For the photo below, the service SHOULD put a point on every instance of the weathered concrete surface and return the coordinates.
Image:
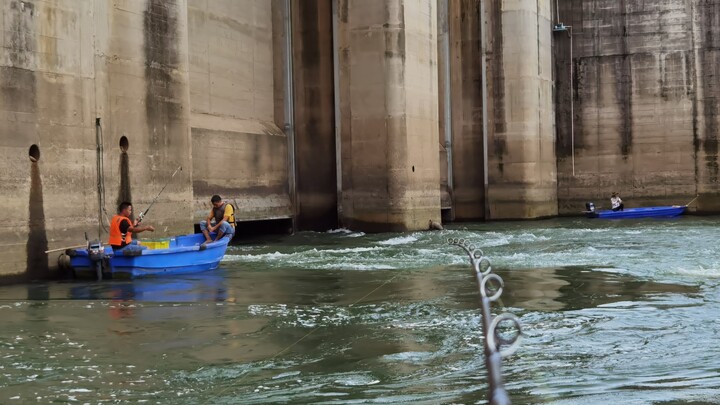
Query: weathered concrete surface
(522, 165)
(389, 98)
(314, 115)
(238, 150)
(141, 67)
(645, 91)
(62, 65)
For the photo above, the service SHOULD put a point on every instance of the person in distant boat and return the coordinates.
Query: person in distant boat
(122, 227)
(616, 202)
(221, 220)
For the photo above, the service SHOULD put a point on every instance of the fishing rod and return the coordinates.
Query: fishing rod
(143, 213)
(497, 344)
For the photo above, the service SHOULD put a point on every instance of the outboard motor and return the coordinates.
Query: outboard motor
(590, 207)
(96, 252)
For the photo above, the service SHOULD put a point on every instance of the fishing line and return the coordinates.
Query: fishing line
(143, 213)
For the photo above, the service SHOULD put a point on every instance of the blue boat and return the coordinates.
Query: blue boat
(184, 254)
(645, 212)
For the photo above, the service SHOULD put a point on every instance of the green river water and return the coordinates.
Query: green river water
(612, 311)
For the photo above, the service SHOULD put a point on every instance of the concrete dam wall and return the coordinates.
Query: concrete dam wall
(378, 115)
(644, 83)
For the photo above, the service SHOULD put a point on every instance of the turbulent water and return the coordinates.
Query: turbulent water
(611, 311)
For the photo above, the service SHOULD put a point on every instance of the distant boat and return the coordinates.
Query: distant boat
(645, 212)
(178, 255)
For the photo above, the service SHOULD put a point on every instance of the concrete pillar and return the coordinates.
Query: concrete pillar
(522, 167)
(389, 109)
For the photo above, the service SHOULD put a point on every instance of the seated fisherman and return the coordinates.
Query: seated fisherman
(220, 219)
(617, 203)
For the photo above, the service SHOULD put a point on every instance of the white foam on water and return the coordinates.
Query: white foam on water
(412, 357)
(399, 240)
(356, 235)
(356, 380)
(257, 258)
(286, 375)
(339, 230)
(355, 266)
(700, 272)
(613, 270)
(354, 250)
(530, 237)
(591, 230)
(346, 232)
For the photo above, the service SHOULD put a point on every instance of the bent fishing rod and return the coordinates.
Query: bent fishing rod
(143, 213)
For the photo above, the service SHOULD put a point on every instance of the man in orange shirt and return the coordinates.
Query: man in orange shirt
(122, 228)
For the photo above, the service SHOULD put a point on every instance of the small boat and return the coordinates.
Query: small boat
(178, 255)
(645, 212)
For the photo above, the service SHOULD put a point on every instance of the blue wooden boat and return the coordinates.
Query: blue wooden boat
(184, 254)
(645, 212)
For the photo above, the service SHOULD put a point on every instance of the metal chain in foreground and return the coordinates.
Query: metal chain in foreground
(497, 345)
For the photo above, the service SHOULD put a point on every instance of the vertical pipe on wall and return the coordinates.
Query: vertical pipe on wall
(557, 11)
(100, 175)
(290, 109)
(483, 70)
(336, 105)
(444, 17)
(572, 103)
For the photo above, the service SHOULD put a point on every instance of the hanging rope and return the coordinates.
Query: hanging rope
(100, 168)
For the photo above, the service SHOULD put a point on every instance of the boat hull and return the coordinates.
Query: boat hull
(185, 254)
(645, 212)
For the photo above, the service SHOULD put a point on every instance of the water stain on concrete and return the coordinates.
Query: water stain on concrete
(709, 65)
(497, 83)
(563, 92)
(163, 91)
(125, 192)
(624, 97)
(21, 34)
(37, 243)
(624, 86)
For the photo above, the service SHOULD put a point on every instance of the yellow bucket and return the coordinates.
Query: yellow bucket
(156, 244)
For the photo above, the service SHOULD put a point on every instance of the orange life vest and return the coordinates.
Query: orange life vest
(117, 238)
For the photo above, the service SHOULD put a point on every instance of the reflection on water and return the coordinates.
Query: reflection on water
(573, 288)
(351, 318)
(195, 288)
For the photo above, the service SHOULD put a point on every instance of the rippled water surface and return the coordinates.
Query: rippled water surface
(612, 311)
